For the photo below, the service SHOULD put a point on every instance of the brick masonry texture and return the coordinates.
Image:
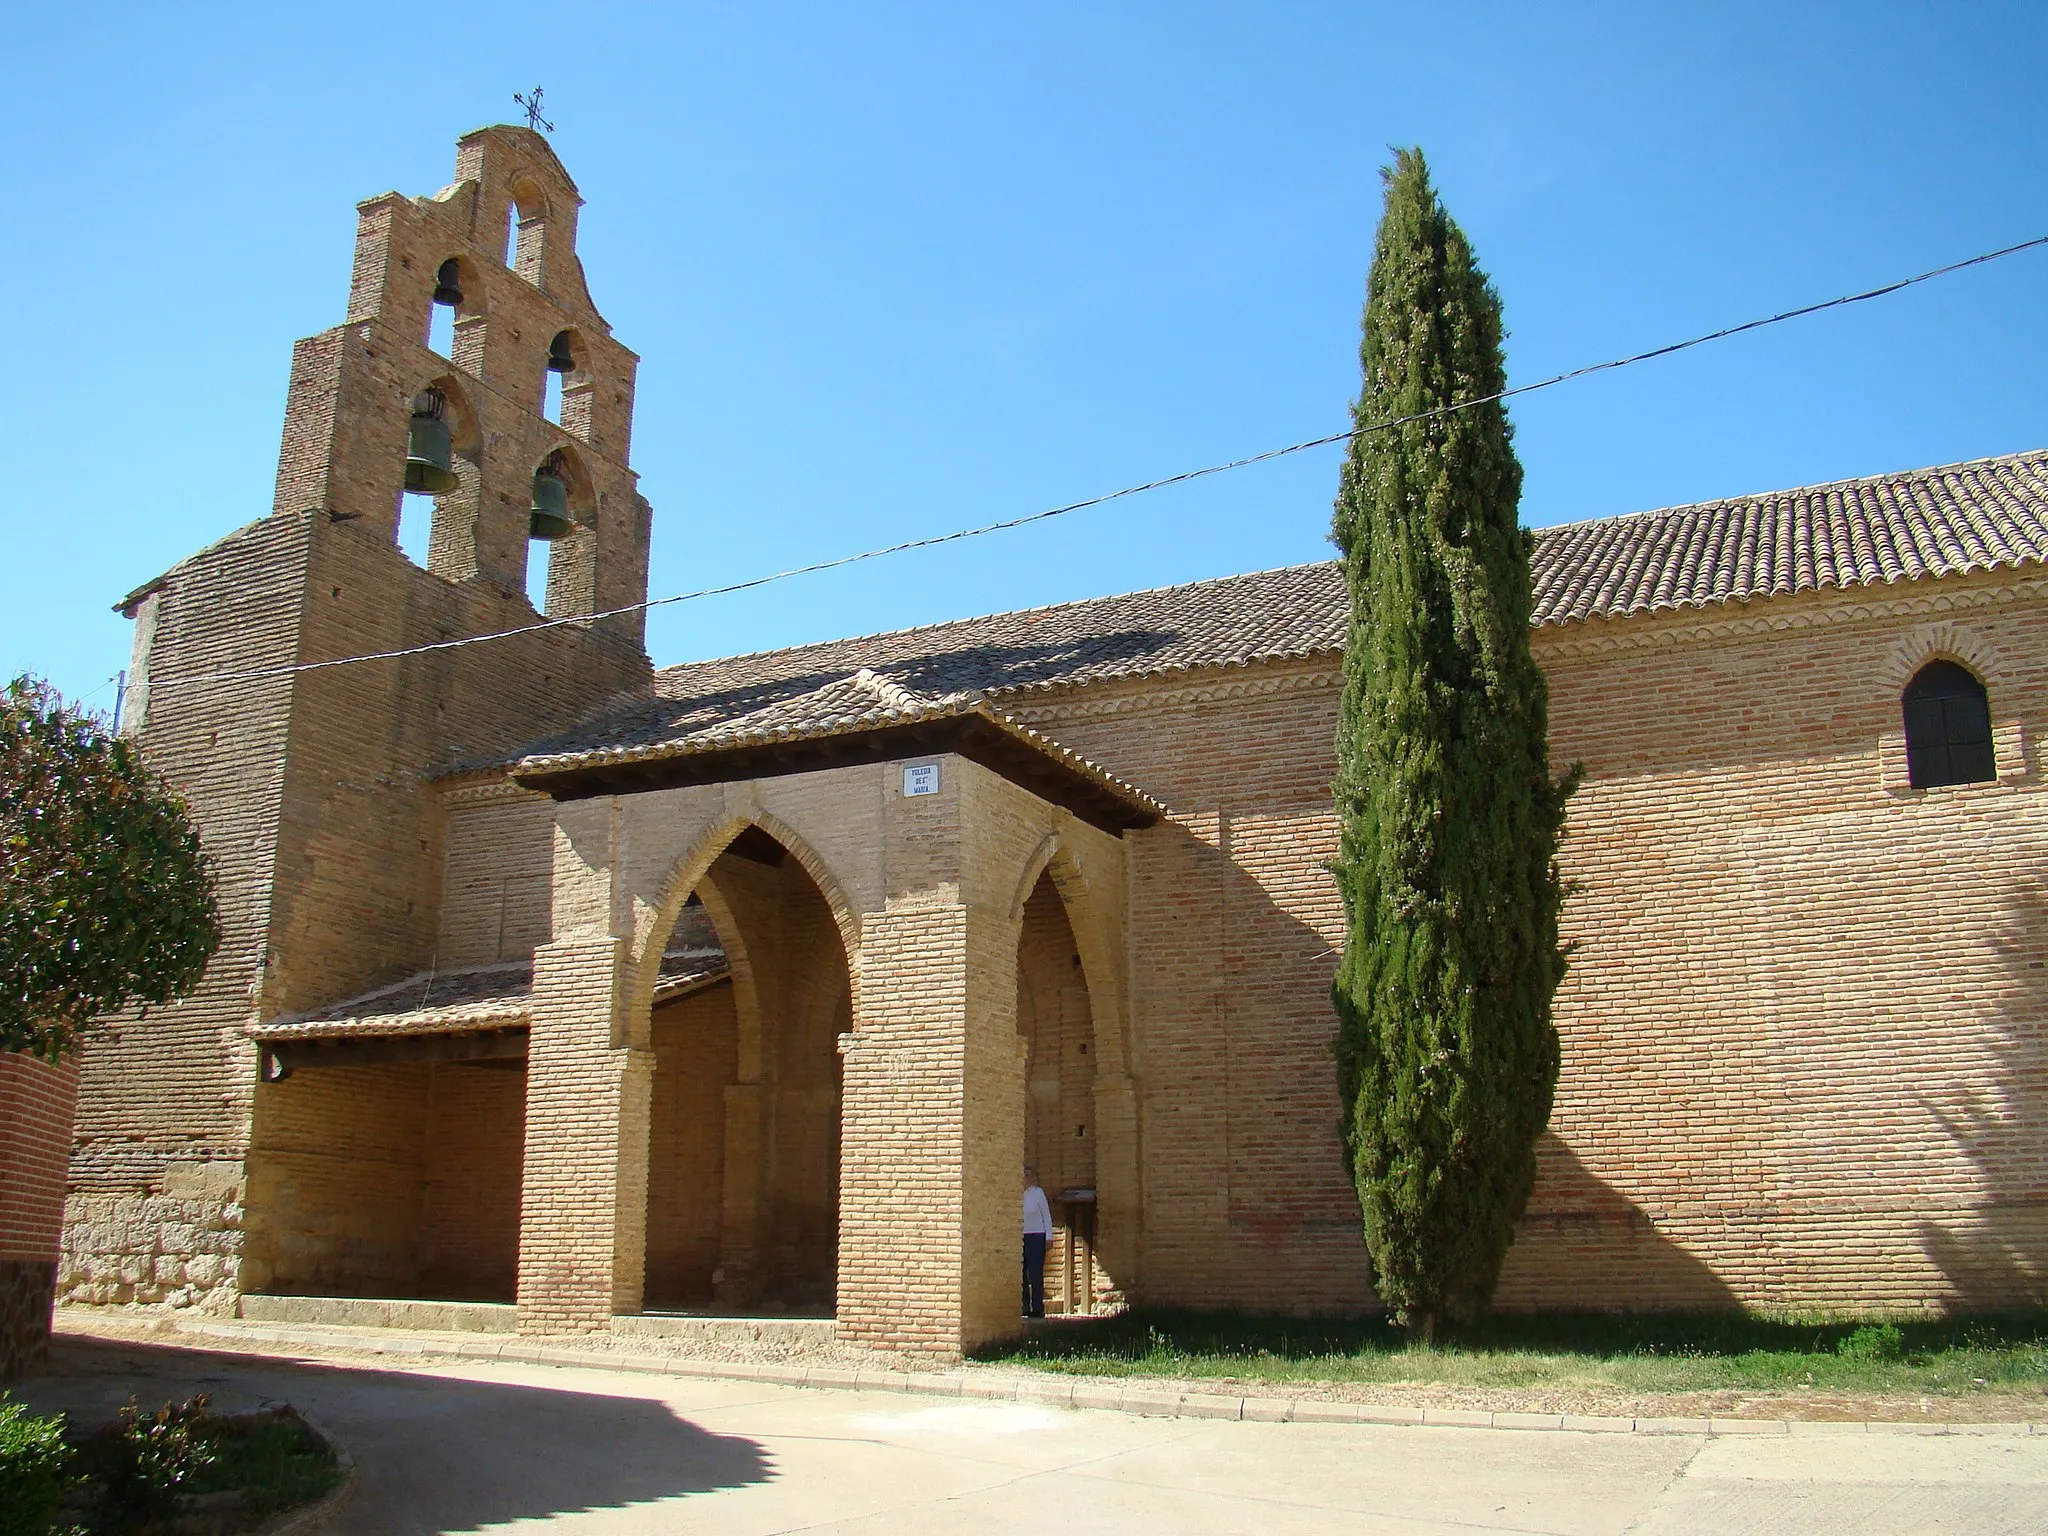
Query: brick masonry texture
(310, 791)
(36, 1105)
(1805, 1029)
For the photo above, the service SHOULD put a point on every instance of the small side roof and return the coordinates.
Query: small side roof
(860, 718)
(466, 1000)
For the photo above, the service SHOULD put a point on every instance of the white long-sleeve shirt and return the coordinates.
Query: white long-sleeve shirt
(1037, 1214)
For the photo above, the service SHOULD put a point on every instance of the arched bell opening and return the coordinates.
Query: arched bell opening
(1056, 1021)
(442, 462)
(561, 363)
(561, 536)
(455, 306)
(752, 997)
(526, 219)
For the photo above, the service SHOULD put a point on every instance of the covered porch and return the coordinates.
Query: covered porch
(807, 998)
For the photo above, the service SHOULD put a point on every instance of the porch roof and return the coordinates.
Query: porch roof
(859, 718)
(469, 1000)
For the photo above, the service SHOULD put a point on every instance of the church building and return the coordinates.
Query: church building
(577, 994)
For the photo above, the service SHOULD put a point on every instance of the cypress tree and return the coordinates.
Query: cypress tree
(1447, 864)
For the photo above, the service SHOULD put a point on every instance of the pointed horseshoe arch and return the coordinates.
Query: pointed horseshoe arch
(689, 870)
(1052, 859)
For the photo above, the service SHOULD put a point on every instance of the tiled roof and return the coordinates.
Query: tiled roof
(1932, 522)
(476, 997)
(861, 703)
(1853, 533)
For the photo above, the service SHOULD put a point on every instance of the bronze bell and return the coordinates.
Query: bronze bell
(448, 283)
(550, 518)
(429, 454)
(559, 358)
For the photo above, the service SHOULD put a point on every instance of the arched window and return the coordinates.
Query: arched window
(1948, 727)
(527, 222)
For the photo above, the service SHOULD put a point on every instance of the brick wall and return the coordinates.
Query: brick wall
(469, 1190)
(1803, 1032)
(1806, 1027)
(334, 1201)
(393, 1180)
(1233, 924)
(36, 1105)
(695, 1063)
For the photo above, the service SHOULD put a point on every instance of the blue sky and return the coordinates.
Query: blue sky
(898, 268)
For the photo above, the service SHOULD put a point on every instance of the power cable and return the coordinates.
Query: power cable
(1130, 490)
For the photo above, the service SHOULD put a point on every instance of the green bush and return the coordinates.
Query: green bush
(1873, 1341)
(144, 1461)
(34, 1470)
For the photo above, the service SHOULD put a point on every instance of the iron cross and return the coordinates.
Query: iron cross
(532, 105)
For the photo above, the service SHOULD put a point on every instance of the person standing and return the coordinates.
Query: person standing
(1037, 1233)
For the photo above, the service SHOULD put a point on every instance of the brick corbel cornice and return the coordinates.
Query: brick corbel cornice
(1769, 616)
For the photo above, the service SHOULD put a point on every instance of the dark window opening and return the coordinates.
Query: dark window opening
(1948, 727)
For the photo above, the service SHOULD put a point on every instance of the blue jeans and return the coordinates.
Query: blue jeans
(1034, 1274)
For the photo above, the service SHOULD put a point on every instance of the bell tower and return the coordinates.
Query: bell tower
(311, 784)
(374, 415)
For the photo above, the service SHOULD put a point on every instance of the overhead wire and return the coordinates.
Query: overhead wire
(933, 540)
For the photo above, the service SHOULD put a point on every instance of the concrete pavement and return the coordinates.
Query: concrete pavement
(463, 1446)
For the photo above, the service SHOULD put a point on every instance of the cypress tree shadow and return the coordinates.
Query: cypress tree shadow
(1583, 1246)
(1994, 1252)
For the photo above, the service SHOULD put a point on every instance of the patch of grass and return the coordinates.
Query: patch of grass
(274, 1459)
(1661, 1354)
(182, 1468)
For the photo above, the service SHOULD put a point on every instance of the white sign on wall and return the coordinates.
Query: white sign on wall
(921, 779)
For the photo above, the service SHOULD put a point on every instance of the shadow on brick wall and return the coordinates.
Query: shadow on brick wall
(1583, 1246)
(1994, 1252)
(434, 1453)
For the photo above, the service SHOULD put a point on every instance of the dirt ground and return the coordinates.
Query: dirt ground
(1986, 1407)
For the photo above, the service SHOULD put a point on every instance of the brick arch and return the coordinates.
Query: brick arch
(469, 277)
(527, 217)
(465, 424)
(576, 475)
(1086, 918)
(1946, 641)
(688, 872)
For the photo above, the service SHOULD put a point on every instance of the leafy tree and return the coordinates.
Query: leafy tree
(106, 901)
(1450, 819)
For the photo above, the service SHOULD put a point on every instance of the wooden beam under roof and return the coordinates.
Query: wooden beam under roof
(970, 734)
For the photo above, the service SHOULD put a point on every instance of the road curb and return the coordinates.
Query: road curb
(1150, 1398)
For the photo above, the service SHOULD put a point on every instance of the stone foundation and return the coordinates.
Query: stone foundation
(178, 1246)
(28, 1289)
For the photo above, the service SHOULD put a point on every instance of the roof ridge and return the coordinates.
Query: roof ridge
(898, 697)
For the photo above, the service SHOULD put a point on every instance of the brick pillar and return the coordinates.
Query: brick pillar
(900, 1131)
(1119, 1213)
(36, 1104)
(932, 1131)
(589, 1089)
(992, 1153)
